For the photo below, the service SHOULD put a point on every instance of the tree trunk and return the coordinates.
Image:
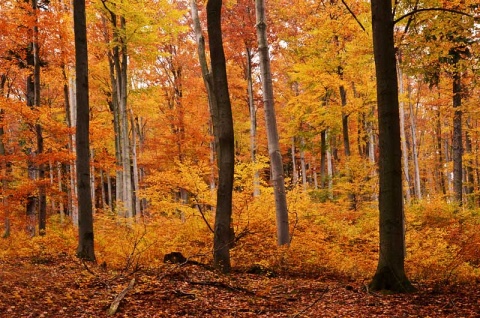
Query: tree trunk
(208, 82)
(283, 236)
(457, 133)
(223, 131)
(136, 180)
(294, 162)
(118, 60)
(85, 249)
(253, 123)
(416, 167)
(470, 184)
(403, 138)
(323, 158)
(390, 273)
(439, 151)
(42, 200)
(303, 164)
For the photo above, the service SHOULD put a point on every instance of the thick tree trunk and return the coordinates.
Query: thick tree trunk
(283, 236)
(390, 274)
(223, 131)
(85, 249)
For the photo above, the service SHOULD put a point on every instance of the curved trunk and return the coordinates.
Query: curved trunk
(223, 131)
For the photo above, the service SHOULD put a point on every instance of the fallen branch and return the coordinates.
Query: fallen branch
(116, 302)
(312, 304)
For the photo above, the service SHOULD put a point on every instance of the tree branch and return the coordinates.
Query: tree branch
(353, 14)
(430, 9)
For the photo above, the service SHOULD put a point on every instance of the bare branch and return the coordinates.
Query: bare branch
(430, 9)
(353, 14)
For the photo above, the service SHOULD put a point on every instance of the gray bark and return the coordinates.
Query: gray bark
(283, 236)
(253, 123)
(207, 80)
(416, 167)
(406, 168)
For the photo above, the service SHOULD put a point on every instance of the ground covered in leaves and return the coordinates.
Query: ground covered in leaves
(63, 286)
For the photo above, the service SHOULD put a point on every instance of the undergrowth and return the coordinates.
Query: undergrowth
(443, 242)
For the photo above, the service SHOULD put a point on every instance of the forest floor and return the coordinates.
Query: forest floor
(63, 286)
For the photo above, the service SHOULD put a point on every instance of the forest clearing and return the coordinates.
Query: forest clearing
(184, 158)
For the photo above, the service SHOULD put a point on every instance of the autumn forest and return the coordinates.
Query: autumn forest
(273, 157)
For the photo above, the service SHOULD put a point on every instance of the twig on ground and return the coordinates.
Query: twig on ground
(312, 304)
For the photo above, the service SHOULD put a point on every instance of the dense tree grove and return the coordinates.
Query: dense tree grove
(169, 121)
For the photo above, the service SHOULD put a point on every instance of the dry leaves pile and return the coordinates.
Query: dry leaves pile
(62, 286)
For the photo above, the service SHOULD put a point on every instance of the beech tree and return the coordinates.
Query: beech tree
(223, 131)
(85, 248)
(276, 163)
(390, 273)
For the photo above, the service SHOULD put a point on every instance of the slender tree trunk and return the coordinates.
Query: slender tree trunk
(61, 205)
(329, 171)
(323, 158)
(294, 163)
(457, 134)
(3, 166)
(390, 274)
(470, 184)
(73, 200)
(253, 123)
(85, 249)
(207, 80)
(302, 163)
(67, 96)
(403, 138)
(42, 201)
(223, 130)
(439, 151)
(283, 236)
(136, 182)
(416, 166)
(109, 191)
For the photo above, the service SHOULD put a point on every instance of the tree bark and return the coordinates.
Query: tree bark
(223, 130)
(283, 236)
(470, 181)
(42, 200)
(457, 133)
(208, 82)
(390, 274)
(406, 168)
(416, 167)
(85, 249)
(253, 123)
